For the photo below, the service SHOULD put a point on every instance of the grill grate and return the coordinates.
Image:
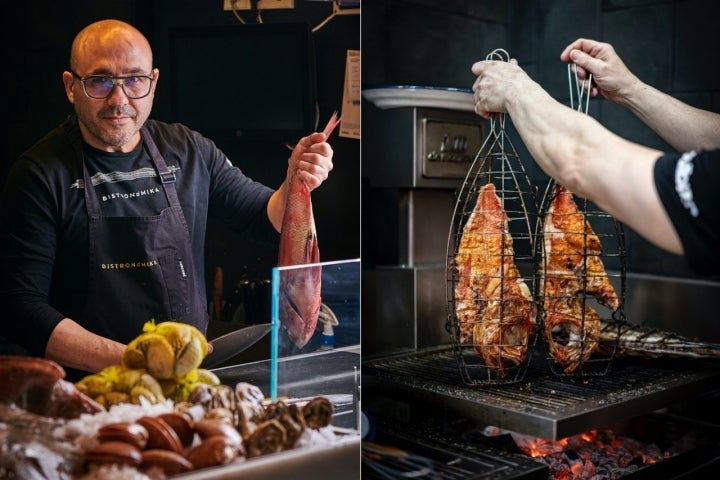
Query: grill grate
(544, 405)
(383, 463)
(451, 450)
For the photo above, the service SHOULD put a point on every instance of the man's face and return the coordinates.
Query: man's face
(113, 123)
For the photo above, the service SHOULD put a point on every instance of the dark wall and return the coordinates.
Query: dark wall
(669, 44)
(36, 51)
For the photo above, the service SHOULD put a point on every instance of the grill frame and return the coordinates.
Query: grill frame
(499, 164)
(611, 235)
(543, 405)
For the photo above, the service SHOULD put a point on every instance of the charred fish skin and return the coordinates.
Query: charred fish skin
(628, 339)
(493, 304)
(573, 252)
(570, 271)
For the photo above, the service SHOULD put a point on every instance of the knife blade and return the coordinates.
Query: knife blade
(226, 346)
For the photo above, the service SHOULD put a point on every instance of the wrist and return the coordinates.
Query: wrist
(632, 94)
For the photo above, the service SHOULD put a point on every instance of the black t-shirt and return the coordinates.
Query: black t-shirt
(688, 185)
(44, 226)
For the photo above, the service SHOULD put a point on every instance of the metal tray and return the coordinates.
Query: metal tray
(339, 460)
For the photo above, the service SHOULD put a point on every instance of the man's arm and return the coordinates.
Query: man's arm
(684, 127)
(73, 346)
(312, 157)
(577, 151)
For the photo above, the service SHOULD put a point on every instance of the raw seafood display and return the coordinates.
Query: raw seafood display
(215, 425)
(300, 288)
(493, 304)
(202, 432)
(571, 271)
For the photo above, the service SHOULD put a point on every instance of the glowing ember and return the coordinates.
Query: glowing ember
(592, 455)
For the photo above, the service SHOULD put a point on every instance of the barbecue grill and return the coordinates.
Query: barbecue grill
(414, 388)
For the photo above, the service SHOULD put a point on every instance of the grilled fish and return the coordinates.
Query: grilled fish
(571, 270)
(573, 334)
(635, 340)
(493, 303)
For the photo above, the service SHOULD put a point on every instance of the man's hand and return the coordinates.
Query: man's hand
(611, 78)
(497, 83)
(312, 159)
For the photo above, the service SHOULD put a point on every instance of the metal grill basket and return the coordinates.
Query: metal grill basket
(490, 265)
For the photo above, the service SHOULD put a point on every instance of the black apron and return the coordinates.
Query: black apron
(140, 268)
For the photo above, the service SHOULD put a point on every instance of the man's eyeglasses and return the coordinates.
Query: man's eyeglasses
(100, 87)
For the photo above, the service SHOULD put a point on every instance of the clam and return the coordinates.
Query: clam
(161, 435)
(213, 451)
(318, 412)
(182, 425)
(269, 437)
(210, 427)
(170, 463)
(114, 452)
(132, 433)
(291, 417)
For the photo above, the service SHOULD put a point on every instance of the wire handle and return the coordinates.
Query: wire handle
(581, 90)
(498, 118)
(498, 54)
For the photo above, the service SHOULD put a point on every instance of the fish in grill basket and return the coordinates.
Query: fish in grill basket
(571, 271)
(493, 304)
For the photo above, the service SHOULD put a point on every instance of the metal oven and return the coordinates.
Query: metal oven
(414, 397)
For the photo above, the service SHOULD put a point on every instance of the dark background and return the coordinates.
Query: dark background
(671, 45)
(36, 47)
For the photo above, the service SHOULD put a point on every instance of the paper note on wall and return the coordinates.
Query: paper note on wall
(350, 123)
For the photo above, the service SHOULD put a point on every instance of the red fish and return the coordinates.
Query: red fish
(300, 288)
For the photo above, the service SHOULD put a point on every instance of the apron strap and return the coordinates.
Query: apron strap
(167, 178)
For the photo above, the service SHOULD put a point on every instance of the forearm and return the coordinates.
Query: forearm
(594, 163)
(684, 127)
(559, 139)
(73, 346)
(276, 206)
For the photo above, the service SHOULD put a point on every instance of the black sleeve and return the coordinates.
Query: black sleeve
(688, 188)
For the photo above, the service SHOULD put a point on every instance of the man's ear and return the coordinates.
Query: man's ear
(68, 80)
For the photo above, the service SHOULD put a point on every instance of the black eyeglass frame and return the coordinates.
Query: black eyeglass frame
(114, 81)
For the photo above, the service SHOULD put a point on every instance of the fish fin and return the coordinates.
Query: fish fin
(332, 123)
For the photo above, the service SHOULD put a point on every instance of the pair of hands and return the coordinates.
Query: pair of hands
(499, 82)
